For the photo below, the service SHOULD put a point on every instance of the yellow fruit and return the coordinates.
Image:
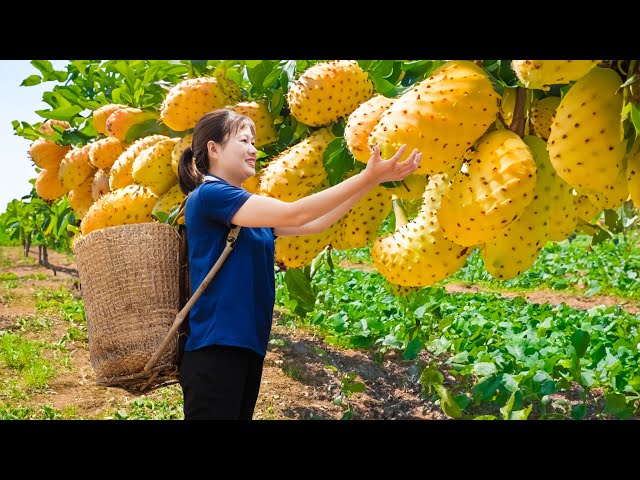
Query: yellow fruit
(585, 209)
(252, 184)
(105, 152)
(190, 99)
(101, 114)
(75, 167)
(152, 168)
(543, 112)
(508, 104)
(167, 202)
(327, 91)
(633, 178)
(81, 197)
(46, 126)
(516, 247)
(258, 112)
(47, 154)
(538, 74)
(586, 145)
(418, 254)
(177, 151)
(131, 204)
(297, 171)
(360, 124)
(120, 121)
(359, 226)
(48, 185)
(100, 184)
(496, 189)
(441, 116)
(298, 251)
(120, 173)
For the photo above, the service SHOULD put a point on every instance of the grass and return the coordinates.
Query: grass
(24, 359)
(163, 404)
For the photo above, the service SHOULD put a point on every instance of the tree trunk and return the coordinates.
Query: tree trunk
(44, 261)
(27, 247)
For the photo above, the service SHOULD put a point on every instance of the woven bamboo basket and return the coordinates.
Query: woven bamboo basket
(129, 277)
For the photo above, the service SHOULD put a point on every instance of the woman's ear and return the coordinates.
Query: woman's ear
(212, 148)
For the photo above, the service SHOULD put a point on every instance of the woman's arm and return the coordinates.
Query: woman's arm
(321, 224)
(259, 211)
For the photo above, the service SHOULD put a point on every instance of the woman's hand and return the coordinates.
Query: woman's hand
(380, 170)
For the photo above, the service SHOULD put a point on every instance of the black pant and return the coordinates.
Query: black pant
(220, 382)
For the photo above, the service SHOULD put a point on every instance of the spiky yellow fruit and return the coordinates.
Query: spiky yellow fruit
(178, 150)
(496, 189)
(120, 121)
(131, 204)
(560, 206)
(48, 185)
(359, 226)
(101, 114)
(152, 168)
(47, 129)
(516, 247)
(188, 100)
(539, 74)
(258, 112)
(585, 209)
(120, 173)
(297, 171)
(81, 197)
(586, 145)
(633, 178)
(327, 91)
(360, 124)
(410, 188)
(100, 184)
(613, 195)
(252, 184)
(105, 152)
(418, 254)
(75, 167)
(441, 116)
(169, 200)
(47, 153)
(543, 112)
(298, 251)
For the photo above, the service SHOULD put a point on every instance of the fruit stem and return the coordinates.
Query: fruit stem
(517, 124)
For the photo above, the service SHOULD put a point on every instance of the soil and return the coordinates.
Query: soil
(303, 375)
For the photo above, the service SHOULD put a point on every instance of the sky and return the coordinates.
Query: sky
(18, 103)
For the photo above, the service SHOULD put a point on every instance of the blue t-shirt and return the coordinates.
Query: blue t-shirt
(237, 306)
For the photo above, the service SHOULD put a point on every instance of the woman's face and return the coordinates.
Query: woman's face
(237, 157)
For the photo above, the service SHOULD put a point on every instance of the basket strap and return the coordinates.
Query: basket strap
(232, 237)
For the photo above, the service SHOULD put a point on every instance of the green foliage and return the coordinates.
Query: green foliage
(494, 347)
(577, 264)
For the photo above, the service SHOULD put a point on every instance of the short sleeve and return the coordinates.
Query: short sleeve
(219, 201)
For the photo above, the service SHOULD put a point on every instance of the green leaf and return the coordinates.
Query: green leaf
(616, 404)
(299, 288)
(578, 411)
(612, 221)
(505, 410)
(520, 414)
(44, 66)
(462, 400)
(486, 388)
(580, 341)
(31, 80)
(635, 117)
(62, 113)
(337, 160)
(413, 348)
(483, 369)
(447, 402)
(430, 376)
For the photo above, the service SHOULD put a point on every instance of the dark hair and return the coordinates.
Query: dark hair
(216, 125)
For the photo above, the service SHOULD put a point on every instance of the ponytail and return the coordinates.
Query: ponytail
(190, 173)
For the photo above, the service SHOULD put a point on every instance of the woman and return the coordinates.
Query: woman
(230, 323)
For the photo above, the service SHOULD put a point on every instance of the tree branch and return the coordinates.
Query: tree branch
(517, 124)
